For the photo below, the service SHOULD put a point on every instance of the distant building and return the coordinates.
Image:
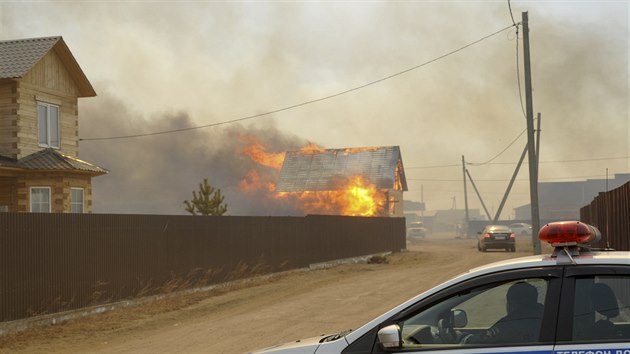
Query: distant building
(563, 200)
(453, 219)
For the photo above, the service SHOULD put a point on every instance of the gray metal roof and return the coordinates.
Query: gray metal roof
(51, 160)
(18, 56)
(322, 171)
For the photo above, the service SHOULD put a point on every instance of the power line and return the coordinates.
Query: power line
(303, 103)
(512, 16)
(518, 73)
(502, 180)
(514, 163)
(568, 161)
(436, 166)
(499, 154)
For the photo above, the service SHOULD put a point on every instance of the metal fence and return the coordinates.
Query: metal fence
(610, 213)
(57, 262)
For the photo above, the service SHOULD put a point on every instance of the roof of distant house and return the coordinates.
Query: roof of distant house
(322, 170)
(19, 56)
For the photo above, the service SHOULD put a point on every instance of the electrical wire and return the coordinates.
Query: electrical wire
(303, 103)
(524, 162)
(518, 78)
(518, 73)
(503, 180)
(437, 166)
(499, 154)
(512, 16)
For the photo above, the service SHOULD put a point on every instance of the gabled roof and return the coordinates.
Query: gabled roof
(320, 171)
(52, 160)
(17, 57)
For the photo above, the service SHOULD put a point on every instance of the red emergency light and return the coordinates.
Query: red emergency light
(568, 233)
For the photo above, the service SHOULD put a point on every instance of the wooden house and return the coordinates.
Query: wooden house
(321, 170)
(40, 169)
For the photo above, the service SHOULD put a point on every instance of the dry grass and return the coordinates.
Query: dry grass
(175, 296)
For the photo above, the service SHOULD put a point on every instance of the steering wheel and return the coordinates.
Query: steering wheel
(446, 332)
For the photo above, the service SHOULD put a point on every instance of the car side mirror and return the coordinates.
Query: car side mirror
(459, 318)
(390, 337)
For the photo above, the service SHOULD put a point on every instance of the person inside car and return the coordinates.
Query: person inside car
(522, 322)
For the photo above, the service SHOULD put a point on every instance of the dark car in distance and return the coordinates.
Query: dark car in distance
(496, 237)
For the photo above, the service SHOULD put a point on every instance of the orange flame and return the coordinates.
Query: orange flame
(257, 152)
(312, 148)
(354, 197)
(252, 182)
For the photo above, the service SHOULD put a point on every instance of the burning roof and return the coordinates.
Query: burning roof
(353, 181)
(320, 170)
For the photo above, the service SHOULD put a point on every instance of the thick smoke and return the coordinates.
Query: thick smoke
(223, 60)
(155, 174)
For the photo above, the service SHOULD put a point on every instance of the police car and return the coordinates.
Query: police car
(574, 301)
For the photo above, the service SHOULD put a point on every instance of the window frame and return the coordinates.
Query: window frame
(73, 203)
(550, 315)
(566, 309)
(49, 189)
(48, 138)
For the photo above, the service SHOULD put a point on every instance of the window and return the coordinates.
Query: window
(508, 313)
(76, 200)
(40, 199)
(48, 124)
(602, 308)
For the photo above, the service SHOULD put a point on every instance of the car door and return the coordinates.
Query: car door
(595, 310)
(464, 318)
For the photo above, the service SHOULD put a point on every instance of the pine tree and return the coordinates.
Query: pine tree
(207, 201)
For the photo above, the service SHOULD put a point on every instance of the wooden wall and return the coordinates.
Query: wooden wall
(8, 118)
(48, 81)
(60, 186)
(8, 193)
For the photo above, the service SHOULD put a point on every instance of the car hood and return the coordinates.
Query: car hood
(302, 346)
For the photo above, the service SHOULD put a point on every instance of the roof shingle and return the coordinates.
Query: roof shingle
(321, 171)
(17, 57)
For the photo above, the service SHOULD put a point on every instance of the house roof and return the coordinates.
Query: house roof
(17, 57)
(320, 171)
(51, 160)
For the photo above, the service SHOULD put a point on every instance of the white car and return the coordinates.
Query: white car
(575, 300)
(521, 229)
(416, 230)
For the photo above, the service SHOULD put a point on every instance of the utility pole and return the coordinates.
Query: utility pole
(533, 165)
(479, 195)
(509, 188)
(465, 228)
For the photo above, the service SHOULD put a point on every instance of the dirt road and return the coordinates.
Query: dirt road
(266, 311)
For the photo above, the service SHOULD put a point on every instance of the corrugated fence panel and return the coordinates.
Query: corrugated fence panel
(610, 213)
(58, 262)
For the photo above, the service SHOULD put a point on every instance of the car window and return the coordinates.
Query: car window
(602, 308)
(508, 313)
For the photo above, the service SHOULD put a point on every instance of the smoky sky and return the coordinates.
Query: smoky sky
(167, 65)
(154, 174)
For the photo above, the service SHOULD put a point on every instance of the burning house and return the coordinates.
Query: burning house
(352, 181)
